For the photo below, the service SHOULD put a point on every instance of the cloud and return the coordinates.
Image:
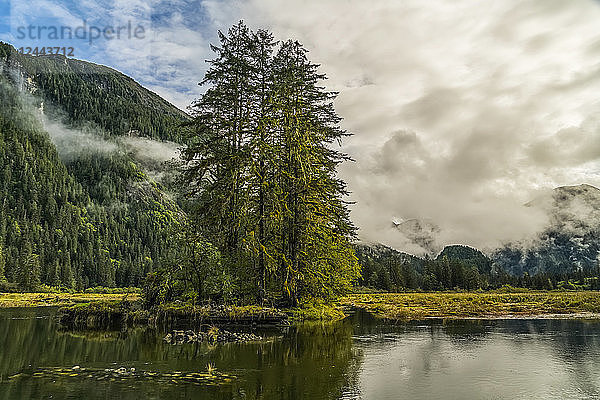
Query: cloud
(462, 111)
(150, 150)
(171, 60)
(72, 143)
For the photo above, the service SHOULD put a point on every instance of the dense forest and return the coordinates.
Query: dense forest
(91, 220)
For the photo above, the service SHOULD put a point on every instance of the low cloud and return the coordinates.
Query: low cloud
(72, 143)
(150, 150)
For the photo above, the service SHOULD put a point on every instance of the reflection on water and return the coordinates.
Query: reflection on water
(311, 361)
(353, 359)
(509, 359)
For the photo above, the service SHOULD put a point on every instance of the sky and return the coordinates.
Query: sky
(461, 110)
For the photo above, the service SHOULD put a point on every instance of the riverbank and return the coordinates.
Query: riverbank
(98, 309)
(421, 306)
(8, 300)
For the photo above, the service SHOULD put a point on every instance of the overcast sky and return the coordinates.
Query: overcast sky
(461, 111)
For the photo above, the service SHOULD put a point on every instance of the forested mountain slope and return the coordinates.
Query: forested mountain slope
(94, 218)
(88, 92)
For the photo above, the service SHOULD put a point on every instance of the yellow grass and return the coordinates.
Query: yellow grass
(410, 306)
(57, 299)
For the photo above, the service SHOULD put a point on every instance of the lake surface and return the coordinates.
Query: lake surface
(353, 359)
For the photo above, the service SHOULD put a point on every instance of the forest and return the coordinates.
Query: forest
(461, 268)
(94, 219)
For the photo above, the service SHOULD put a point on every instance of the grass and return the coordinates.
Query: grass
(316, 311)
(58, 299)
(390, 306)
(415, 306)
(103, 314)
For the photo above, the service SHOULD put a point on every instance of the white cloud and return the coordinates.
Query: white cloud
(461, 110)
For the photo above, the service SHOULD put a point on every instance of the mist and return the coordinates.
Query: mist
(150, 150)
(72, 143)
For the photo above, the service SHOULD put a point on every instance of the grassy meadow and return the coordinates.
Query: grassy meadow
(59, 299)
(415, 306)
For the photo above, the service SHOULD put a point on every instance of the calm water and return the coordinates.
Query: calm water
(353, 359)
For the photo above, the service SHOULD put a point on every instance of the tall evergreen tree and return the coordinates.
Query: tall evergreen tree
(316, 229)
(2, 264)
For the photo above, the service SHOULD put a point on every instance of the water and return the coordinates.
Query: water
(353, 359)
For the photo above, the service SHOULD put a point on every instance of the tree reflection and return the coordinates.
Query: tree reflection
(308, 361)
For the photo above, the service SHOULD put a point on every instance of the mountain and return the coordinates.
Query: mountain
(568, 248)
(93, 217)
(570, 243)
(420, 232)
(86, 92)
(572, 209)
(468, 256)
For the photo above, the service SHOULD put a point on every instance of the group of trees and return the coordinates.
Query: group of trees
(456, 267)
(460, 267)
(259, 173)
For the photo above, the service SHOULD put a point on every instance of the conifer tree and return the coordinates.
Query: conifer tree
(2, 264)
(217, 155)
(316, 229)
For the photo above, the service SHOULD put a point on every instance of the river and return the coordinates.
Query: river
(358, 358)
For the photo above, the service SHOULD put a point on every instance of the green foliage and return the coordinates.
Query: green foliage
(2, 264)
(107, 290)
(192, 270)
(316, 310)
(94, 219)
(260, 171)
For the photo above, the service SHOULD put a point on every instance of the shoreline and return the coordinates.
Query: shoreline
(33, 300)
(387, 307)
(514, 317)
(482, 306)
